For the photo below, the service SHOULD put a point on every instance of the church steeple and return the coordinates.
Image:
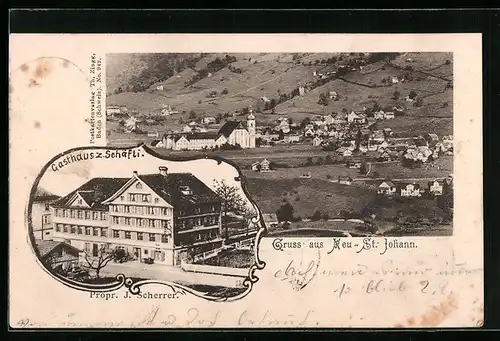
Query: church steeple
(251, 129)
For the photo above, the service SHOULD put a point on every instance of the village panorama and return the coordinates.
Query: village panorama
(330, 144)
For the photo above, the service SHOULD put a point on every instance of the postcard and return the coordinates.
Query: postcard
(245, 181)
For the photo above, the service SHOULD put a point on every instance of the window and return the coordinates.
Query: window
(73, 214)
(65, 213)
(104, 232)
(152, 237)
(80, 202)
(87, 231)
(46, 219)
(186, 190)
(87, 215)
(165, 211)
(96, 231)
(140, 236)
(58, 212)
(138, 185)
(103, 216)
(73, 229)
(47, 207)
(80, 214)
(122, 198)
(126, 209)
(138, 210)
(150, 210)
(140, 222)
(65, 228)
(145, 198)
(151, 223)
(95, 215)
(87, 247)
(128, 235)
(116, 234)
(116, 220)
(58, 227)
(157, 200)
(145, 251)
(80, 230)
(127, 221)
(131, 197)
(164, 238)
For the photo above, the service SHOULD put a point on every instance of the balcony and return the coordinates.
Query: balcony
(197, 215)
(80, 222)
(135, 228)
(198, 228)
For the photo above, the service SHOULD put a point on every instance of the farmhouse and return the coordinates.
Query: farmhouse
(345, 180)
(57, 255)
(409, 190)
(344, 151)
(270, 220)
(171, 217)
(292, 138)
(208, 120)
(435, 188)
(386, 188)
(317, 141)
(263, 166)
(112, 110)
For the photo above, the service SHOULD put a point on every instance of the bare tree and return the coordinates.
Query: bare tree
(100, 260)
(232, 201)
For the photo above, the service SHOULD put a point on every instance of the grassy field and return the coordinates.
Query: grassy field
(396, 170)
(306, 195)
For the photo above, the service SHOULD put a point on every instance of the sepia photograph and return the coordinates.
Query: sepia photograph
(331, 144)
(146, 219)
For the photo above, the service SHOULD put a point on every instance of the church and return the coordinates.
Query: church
(232, 132)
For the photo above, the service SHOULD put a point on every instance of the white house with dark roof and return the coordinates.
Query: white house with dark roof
(386, 188)
(170, 217)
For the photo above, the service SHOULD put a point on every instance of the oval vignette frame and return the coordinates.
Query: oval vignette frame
(135, 286)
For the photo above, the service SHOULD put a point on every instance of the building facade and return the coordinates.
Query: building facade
(41, 216)
(169, 217)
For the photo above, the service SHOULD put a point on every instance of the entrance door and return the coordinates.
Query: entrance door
(95, 250)
(137, 253)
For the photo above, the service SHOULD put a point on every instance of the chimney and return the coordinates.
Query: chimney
(135, 172)
(163, 170)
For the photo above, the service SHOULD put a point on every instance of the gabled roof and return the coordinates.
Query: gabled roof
(169, 188)
(45, 247)
(389, 183)
(96, 191)
(229, 127)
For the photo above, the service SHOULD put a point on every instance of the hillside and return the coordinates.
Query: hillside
(212, 84)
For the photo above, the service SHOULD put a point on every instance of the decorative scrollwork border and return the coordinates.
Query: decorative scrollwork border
(135, 286)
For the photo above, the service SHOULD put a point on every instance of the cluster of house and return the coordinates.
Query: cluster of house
(434, 188)
(195, 137)
(169, 217)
